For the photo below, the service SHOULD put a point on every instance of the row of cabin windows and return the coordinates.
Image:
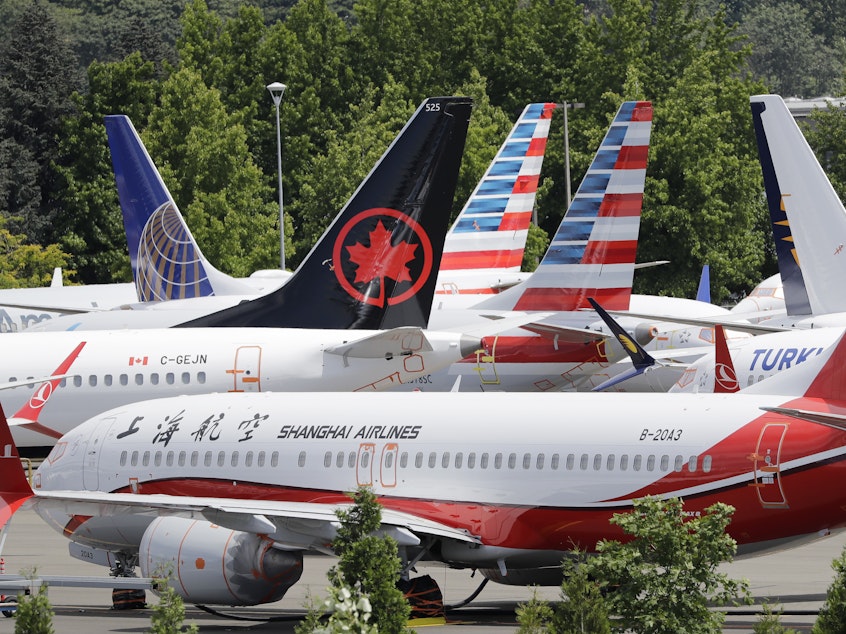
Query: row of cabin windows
(571, 462)
(169, 378)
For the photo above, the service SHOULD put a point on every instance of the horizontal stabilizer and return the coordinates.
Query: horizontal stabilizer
(829, 419)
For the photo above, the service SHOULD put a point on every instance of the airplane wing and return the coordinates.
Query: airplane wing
(707, 322)
(292, 525)
(52, 308)
(829, 419)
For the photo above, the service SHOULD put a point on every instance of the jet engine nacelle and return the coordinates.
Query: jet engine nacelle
(208, 563)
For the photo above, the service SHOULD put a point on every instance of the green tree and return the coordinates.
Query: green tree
(27, 265)
(534, 616)
(582, 609)
(168, 616)
(370, 562)
(34, 614)
(663, 580)
(832, 616)
(770, 623)
(825, 131)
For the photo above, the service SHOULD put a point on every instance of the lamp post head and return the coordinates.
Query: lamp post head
(276, 89)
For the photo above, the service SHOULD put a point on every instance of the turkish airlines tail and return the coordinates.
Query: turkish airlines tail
(808, 218)
(375, 266)
(593, 252)
(166, 261)
(489, 236)
(725, 377)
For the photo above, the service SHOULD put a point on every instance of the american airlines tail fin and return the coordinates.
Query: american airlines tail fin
(376, 265)
(14, 487)
(489, 236)
(593, 252)
(166, 261)
(808, 219)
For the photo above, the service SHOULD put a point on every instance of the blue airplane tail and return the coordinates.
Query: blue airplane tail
(375, 267)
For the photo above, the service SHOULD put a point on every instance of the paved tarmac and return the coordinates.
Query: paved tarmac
(796, 578)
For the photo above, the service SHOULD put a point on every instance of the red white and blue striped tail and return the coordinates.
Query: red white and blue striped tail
(489, 236)
(593, 251)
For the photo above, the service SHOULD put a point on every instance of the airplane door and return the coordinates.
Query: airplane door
(364, 464)
(486, 365)
(246, 373)
(92, 447)
(767, 466)
(388, 468)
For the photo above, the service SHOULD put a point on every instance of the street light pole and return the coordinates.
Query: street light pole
(276, 91)
(567, 106)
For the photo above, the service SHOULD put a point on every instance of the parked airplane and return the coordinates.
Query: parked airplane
(384, 248)
(251, 481)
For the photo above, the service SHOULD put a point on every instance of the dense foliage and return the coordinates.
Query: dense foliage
(192, 75)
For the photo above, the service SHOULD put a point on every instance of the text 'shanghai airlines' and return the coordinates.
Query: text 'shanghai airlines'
(232, 489)
(354, 313)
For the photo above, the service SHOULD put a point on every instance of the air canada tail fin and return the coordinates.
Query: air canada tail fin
(14, 487)
(375, 267)
(593, 252)
(166, 261)
(489, 235)
(808, 218)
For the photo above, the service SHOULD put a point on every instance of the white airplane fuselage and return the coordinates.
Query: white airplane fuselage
(119, 367)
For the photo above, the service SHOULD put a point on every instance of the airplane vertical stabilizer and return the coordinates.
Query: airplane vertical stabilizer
(593, 252)
(808, 218)
(376, 265)
(166, 261)
(489, 235)
(14, 487)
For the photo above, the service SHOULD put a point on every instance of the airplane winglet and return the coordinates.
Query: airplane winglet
(725, 377)
(642, 361)
(14, 486)
(703, 293)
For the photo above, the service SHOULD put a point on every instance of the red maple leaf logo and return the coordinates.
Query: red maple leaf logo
(381, 259)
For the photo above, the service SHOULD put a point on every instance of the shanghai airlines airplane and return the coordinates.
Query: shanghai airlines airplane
(482, 252)
(355, 309)
(231, 489)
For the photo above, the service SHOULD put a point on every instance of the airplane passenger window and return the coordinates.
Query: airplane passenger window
(706, 464)
(154, 378)
(471, 460)
(207, 459)
(145, 459)
(327, 459)
(418, 459)
(750, 380)
(339, 461)
(124, 379)
(260, 460)
(609, 463)
(539, 462)
(665, 462)
(498, 461)
(637, 462)
(389, 460)
(77, 381)
(459, 458)
(597, 462)
(201, 377)
(433, 459)
(107, 380)
(650, 463)
(169, 378)
(139, 379)
(512, 460)
(62, 383)
(583, 462)
(134, 460)
(221, 458)
(181, 459)
(483, 463)
(527, 460)
(691, 464)
(351, 460)
(234, 460)
(679, 463)
(555, 462)
(404, 460)
(123, 457)
(92, 380)
(365, 459)
(624, 462)
(186, 378)
(274, 459)
(445, 460)
(248, 459)
(195, 458)
(571, 461)
(157, 459)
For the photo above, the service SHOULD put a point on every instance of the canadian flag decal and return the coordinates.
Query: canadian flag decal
(137, 360)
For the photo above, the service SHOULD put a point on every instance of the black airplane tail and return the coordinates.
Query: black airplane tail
(376, 265)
